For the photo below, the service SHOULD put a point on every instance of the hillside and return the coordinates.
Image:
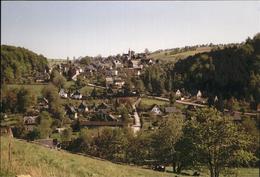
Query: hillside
(20, 65)
(38, 161)
(170, 55)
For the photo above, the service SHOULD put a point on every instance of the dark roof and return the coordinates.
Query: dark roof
(70, 109)
(103, 106)
(101, 123)
(83, 105)
(77, 92)
(171, 110)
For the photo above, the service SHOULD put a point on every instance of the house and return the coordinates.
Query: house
(43, 104)
(60, 130)
(104, 115)
(109, 81)
(30, 122)
(216, 99)
(114, 72)
(134, 64)
(118, 82)
(71, 112)
(101, 124)
(63, 94)
(103, 106)
(83, 107)
(74, 72)
(117, 64)
(156, 110)
(178, 93)
(76, 95)
(199, 95)
(90, 69)
(170, 110)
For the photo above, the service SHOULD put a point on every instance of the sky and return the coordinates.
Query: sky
(65, 29)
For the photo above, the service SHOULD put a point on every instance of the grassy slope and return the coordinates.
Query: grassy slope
(41, 162)
(38, 161)
(175, 57)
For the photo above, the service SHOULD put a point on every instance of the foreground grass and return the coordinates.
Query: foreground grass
(38, 161)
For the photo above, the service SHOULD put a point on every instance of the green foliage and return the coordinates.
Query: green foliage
(44, 127)
(57, 79)
(164, 140)
(50, 92)
(18, 63)
(17, 100)
(218, 141)
(66, 135)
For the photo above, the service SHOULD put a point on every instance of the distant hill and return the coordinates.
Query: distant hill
(18, 64)
(175, 54)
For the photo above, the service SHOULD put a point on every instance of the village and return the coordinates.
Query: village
(109, 102)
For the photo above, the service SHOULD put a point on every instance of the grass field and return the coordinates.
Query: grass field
(36, 88)
(181, 55)
(38, 161)
(42, 162)
(150, 102)
(52, 62)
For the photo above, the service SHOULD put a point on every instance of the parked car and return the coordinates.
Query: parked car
(159, 168)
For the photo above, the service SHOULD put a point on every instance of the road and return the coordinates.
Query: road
(177, 101)
(198, 105)
(137, 121)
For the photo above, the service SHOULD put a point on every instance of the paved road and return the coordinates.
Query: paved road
(137, 121)
(199, 105)
(177, 101)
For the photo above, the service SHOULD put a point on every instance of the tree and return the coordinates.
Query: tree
(57, 79)
(66, 134)
(165, 138)
(25, 99)
(44, 127)
(140, 86)
(50, 92)
(146, 51)
(81, 82)
(218, 141)
(172, 98)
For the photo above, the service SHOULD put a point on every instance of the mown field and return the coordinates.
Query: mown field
(36, 88)
(38, 161)
(166, 55)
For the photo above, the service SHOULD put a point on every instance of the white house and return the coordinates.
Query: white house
(199, 94)
(178, 93)
(114, 72)
(77, 95)
(156, 110)
(117, 64)
(63, 94)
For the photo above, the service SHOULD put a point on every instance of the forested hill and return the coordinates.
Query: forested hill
(18, 64)
(232, 71)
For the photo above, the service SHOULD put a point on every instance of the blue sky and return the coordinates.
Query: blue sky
(61, 29)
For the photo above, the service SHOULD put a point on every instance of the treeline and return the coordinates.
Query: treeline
(231, 71)
(208, 139)
(18, 64)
